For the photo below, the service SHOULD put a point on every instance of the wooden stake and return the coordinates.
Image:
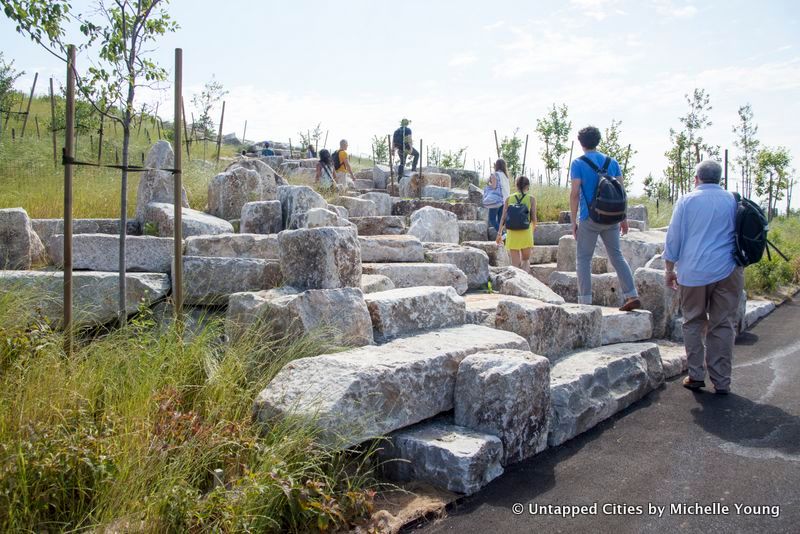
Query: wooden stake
(100, 141)
(290, 151)
(28, 109)
(177, 233)
(155, 120)
(726, 169)
(497, 144)
(244, 133)
(525, 155)
(326, 139)
(185, 131)
(219, 134)
(69, 152)
(36, 120)
(53, 123)
(569, 164)
(419, 171)
(141, 120)
(391, 160)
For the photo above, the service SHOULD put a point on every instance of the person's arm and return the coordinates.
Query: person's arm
(349, 168)
(492, 181)
(672, 247)
(533, 214)
(574, 203)
(318, 173)
(499, 238)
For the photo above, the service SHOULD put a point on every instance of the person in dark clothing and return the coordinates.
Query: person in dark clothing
(267, 151)
(402, 142)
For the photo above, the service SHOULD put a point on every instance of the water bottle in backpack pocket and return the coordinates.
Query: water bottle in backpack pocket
(610, 201)
(518, 215)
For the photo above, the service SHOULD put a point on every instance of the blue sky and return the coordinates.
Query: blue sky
(462, 69)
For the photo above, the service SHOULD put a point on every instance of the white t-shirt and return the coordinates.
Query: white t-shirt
(505, 187)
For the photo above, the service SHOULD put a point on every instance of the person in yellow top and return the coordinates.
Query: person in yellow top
(519, 219)
(341, 163)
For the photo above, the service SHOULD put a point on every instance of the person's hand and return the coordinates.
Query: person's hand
(671, 280)
(499, 238)
(575, 230)
(623, 227)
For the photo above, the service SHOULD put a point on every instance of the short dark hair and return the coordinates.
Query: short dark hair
(589, 137)
(266, 144)
(523, 183)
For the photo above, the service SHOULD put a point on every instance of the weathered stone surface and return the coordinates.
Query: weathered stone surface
(637, 213)
(411, 186)
(339, 314)
(543, 271)
(673, 358)
(566, 257)
(505, 393)
(374, 283)
(420, 274)
(20, 246)
(656, 262)
(391, 248)
(498, 255)
(370, 391)
(380, 176)
(318, 218)
(393, 225)
(514, 281)
(637, 225)
(474, 194)
(661, 301)
(463, 210)
(194, 222)
(100, 252)
(362, 185)
(590, 386)
(472, 231)
(382, 201)
(639, 247)
(95, 294)
(472, 262)
(626, 327)
(482, 307)
(755, 310)
(357, 207)
(266, 171)
(435, 192)
(47, 228)
(544, 254)
(210, 280)
(549, 233)
(298, 198)
(405, 311)
(261, 217)
(434, 225)
(341, 211)
(320, 258)
(461, 177)
(259, 246)
(551, 330)
(229, 191)
(605, 288)
(564, 217)
(157, 186)
(445, 455)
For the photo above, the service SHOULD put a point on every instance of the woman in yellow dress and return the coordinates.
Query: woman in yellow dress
(519, 222)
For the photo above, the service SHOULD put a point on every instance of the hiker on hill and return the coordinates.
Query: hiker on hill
(700, 263)
(519, 219)
(341, 163)
(310, 152)
(404, 144)
(586, 178)
(496, 193)
(267, 151)
(326, 176)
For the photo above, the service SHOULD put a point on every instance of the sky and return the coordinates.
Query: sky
(461, 69)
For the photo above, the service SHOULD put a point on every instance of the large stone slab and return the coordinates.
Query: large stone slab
(542, 271)
(298, 198)
(210, 280)
(340, 315)
(20, 246)
(382, 201)
(447, 456)
(95, 294)
(673, 358)
(391, 248)
(47, 228)
(469, 231)
(461, 177)
(637, 248)
(358, 207)
(661, 301)
(506, 393)
(548, 233)
(551, 330)
(590, 386)
(374, 283)
(405, 311)
(605, 288)
(472, 262)
(155, 185)
(464, 211)
(100, 252)
(380, 176)
(637, 213)
(434, 225)
(757, 309)
(498, 255)
(412, 186)
(514, 281)
(393, 225)
(262, 167)
(261, 217)
(162, 217)
(320, 258)
(544, 254)
(626, 327)
(482, 307)
(363, 393)
(420, 274)
(259, 246)
(229, 191)
(318, 218)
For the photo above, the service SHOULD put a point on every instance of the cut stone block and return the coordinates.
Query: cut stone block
(506, 393)
(363, 393)
(320, 258)
(155, 185)
(420, 274)
(391, 248)
(47, 228)
(262, 217)
(95, 294)
(551, 330)
(605, 288)
(405, 311)
(472, 231)
(434, 225)
(673, 358)
(209, 281)
(436, 192)
(661, 301)
(295, 199)
(382, 201)
(341, 211)
(100, 252)
(637, 213)
(472, 262)
(445, 455)
(626, 327)
(229, 191)
(756, 310)
(656, 262)
(162, 217)
(412, 186)
(515, 281)
(363, 184)
(379, 225)
(262, 167)
(464, 211)
(318, 218)
(544, 254)
(543, 271)
(482, 307)
(357, 207)
(20, 246)
(259, 246)
(549, 233)
(590, 386)
(374, 283)
(498, 255)
(380, 176)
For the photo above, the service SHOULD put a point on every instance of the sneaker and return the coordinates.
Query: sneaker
(631, 304)
(721, 391)
(693, 384)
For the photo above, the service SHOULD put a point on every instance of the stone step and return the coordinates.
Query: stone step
(472, 231)
(605, 288)
(357, 207)
(259, 246)
(755, 310)
(388, 225)
(544, 254)
(464, 211)
(473, 262)
(210, 281)
(100, 252)
(442, 454)
(498, 255)
(590, 386)
(673, 358)
(548, 233)
(381, 199)
(161, 217)
(367, 392)
(626, 327)
(373, 283)
(419, 274)
(391, 249)
(481, 308)
(400, 312)
(542, 272)
(514, 281)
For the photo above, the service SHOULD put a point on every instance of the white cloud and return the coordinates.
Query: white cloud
(597, 9)
(464, 58)
(669, 8)
(494, 25)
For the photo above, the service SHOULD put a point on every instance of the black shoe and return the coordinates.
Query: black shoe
(721, 391)
(693, 384)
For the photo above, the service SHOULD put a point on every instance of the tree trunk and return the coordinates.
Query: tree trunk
(769, 200)
(123, 219)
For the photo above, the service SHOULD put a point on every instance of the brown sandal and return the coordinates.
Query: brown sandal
(631, 304)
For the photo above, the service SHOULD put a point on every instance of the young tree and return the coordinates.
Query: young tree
(611, 145)
(453, 159)
(746, 142)
(680, 169)
(695, 121)
(772, 175)
(509, 151)
(118, 32)
(554, 131)
(380, 148)
(8, 76)
(204, 102)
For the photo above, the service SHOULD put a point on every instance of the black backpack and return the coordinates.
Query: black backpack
(518, 216)
(751, 231)
(610, 201)
(336, 163)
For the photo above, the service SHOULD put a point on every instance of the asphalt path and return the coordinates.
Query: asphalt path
(736, 456)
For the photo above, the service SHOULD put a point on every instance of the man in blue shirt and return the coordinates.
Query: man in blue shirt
(700, 246)
(267, 151)
(585, 230)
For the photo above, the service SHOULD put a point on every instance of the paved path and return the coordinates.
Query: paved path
(673, 447)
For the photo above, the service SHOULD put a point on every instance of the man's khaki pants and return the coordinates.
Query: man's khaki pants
(709, 327)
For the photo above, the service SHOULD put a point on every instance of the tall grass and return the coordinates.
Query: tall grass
(141, 431)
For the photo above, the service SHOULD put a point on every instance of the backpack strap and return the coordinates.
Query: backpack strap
(591, 163)
(606, 163)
